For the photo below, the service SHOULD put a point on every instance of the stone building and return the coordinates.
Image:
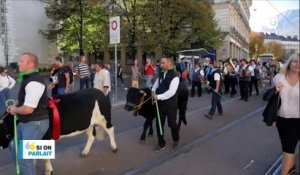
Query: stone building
(291, 44)
(20, 25)
(233, 18)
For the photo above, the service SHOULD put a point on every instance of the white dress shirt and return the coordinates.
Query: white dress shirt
(34, 91)
(170, 92)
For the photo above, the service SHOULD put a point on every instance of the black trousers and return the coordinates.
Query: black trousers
(215, 103)
(170, 112)
(121, 78)
(233, 83)
(254, 81)
(227, 83)
(244, 89)
(199, 88)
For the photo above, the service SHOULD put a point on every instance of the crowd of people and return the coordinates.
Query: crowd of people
(217, 77)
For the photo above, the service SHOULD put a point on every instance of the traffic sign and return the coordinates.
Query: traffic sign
(114, 30)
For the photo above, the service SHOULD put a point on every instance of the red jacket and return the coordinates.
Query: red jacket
(150, 69)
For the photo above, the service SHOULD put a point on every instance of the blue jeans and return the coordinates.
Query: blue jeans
(149, 81)
(85, 81)
(34, 130)
(61, 90)
(4, 95)
(215, 103)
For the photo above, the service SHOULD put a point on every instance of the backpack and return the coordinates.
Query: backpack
(256, 73)
(207, 73)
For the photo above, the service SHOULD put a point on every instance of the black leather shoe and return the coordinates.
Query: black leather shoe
(175, 145)
(159, 148)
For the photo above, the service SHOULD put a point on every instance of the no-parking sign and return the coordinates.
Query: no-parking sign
(114, 30)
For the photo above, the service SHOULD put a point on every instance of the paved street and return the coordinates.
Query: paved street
(236, 143)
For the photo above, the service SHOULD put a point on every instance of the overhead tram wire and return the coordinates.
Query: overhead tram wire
(281, 13)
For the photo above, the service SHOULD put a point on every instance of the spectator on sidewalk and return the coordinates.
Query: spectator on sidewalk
(109, 68)
(54, 79)
(71, 68)
(64, 77)
(92, 74)
(266, 75)
(102, 79)
(135, 74)
(215, 82)
(83, 72)
(120, 74)
(196, 81)
(288, 120)
(149, 70)
(6, 84)
(185, 77)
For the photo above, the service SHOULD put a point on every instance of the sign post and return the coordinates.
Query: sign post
(114, 38)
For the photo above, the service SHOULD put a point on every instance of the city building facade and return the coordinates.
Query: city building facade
(291, 44)
(20, 25)
(233, 19)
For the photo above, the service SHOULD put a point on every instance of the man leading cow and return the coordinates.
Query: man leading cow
(164, 90)
(32, 107)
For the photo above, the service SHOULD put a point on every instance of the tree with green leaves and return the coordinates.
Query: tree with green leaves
(171, 25)
(77, 25)
(165, 25)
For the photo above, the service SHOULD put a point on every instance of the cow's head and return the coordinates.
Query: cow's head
(6, 130)
(133, 98)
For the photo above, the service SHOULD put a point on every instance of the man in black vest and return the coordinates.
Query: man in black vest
(32, 107)
(215, 86)
(244, 79)
(164, 89)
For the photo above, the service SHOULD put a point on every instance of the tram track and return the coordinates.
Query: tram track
(186, 148)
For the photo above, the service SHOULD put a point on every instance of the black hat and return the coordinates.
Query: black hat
(243, 60)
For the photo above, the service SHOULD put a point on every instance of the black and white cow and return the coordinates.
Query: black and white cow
(139, 101)
(79, 112)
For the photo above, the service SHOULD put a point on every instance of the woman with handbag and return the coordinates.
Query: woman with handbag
(288, 120)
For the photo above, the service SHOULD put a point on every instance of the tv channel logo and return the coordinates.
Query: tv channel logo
(37, 149)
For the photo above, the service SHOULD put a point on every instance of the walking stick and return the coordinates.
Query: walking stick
(158, 116)
(11, 102)
(16, 144)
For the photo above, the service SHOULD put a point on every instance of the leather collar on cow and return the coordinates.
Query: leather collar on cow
(138, 107)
